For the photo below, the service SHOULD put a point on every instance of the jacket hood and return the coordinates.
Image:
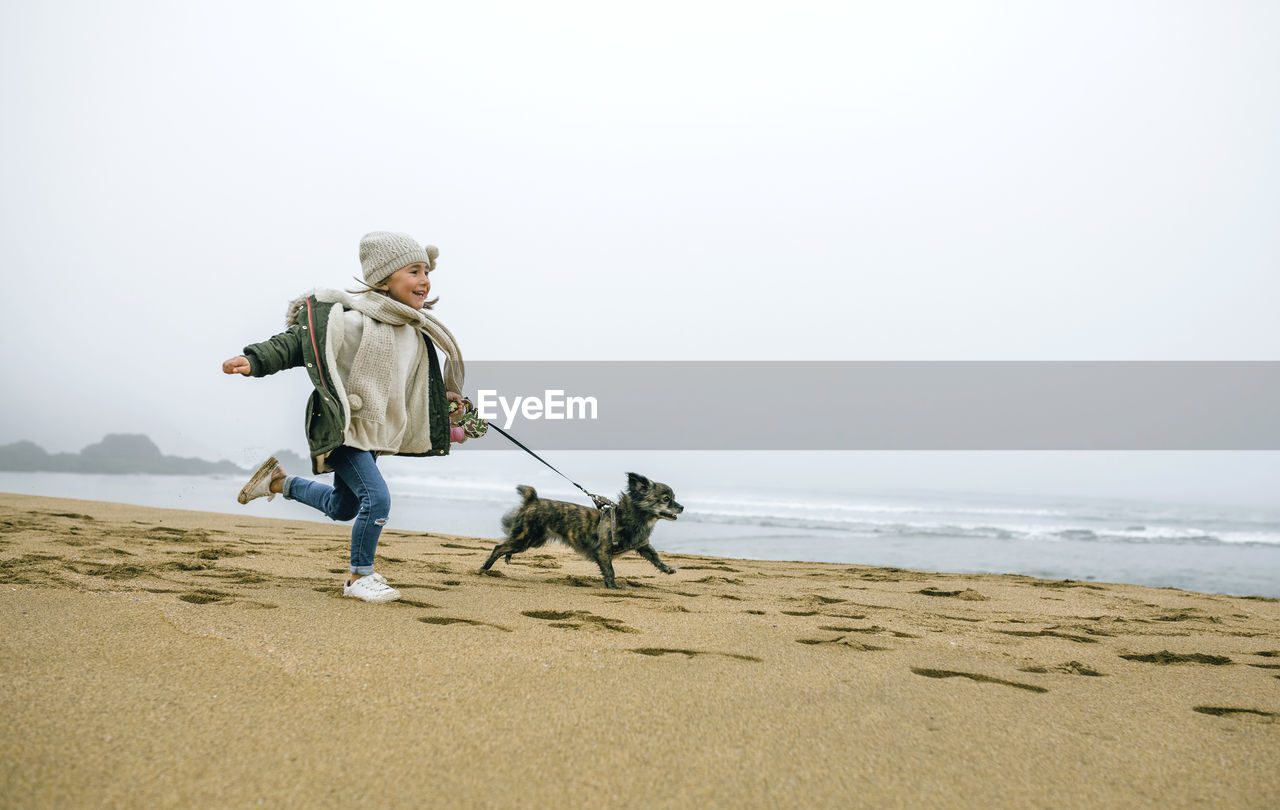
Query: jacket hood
(293, 314)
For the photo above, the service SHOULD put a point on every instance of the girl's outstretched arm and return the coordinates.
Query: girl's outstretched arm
(276, 353)
(237, 365)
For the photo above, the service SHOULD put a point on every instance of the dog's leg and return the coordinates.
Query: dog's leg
(521, 534)
(605, 562)
(498, 551)
(507, 548)
(604, 553)
(649, 553)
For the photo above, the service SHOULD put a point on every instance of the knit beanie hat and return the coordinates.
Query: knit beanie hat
(383, 252)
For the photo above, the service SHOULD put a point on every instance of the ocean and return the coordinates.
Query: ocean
(1215, 549)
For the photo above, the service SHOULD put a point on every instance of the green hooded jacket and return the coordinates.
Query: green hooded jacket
(305, 343)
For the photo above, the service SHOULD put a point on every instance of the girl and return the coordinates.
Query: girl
(372, 357)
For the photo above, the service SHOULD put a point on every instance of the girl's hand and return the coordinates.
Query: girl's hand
(236, 365)
(456, 433)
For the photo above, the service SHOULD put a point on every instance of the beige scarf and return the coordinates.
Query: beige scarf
(371, 368)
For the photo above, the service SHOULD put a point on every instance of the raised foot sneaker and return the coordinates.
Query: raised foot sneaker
(371, 588)
(260, 482)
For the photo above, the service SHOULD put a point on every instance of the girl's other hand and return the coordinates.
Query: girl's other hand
(236, 365)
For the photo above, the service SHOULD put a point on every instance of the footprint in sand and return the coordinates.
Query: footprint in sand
(968, 594)
(875, 628)
(948, 673)
(185, 535)
(429, 586)
(543, 561)
(855, 617)
(29, 569)
(204, 596)
(1257, 715)
(886, 575)
(117, 571)
(1049, 633)
(447, 620)
(842, 641)
(627, 594)
(186, 565)
(1166, 657)
(239, 576)
(569, 579)
(1070, 668)
(1186, 616)
(72, 515)
(715, 580)
(1065, 583)
(577, 619)
(660, 651)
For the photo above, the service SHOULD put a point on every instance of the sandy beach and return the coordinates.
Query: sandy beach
(167, 658)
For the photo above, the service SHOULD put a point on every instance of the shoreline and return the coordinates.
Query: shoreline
(943, 542)
(159, 656)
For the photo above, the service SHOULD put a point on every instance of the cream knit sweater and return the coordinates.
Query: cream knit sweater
(398, 381)
(401, 429)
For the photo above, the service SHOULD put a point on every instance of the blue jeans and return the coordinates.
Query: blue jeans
(358, 492)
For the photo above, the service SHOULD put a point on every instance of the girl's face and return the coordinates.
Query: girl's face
(409, 285)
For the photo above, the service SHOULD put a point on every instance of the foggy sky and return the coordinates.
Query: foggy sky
(835, 181)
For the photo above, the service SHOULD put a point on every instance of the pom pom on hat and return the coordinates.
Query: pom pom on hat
(384, 252)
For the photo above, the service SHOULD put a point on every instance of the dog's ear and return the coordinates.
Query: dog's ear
(637, 483)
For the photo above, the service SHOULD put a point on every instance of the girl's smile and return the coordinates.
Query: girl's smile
(409, 285)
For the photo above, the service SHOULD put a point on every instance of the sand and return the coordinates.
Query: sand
(166, 658)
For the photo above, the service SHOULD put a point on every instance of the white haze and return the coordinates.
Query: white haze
(801, 180)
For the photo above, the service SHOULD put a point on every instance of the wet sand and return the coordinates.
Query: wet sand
(187, 659)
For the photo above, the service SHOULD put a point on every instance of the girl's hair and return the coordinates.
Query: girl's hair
(365, 289)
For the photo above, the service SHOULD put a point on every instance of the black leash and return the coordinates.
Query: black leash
(602, 503)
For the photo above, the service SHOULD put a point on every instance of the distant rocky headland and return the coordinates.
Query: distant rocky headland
(116, 453)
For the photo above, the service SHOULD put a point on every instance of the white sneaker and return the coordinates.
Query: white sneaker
(260, 483)
(371, 588)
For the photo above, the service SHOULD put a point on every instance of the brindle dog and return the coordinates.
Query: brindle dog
(582, 529)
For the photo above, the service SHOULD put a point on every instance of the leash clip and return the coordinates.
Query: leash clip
(602, 503)
(609, 508)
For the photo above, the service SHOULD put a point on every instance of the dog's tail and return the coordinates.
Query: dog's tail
(529, 494)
